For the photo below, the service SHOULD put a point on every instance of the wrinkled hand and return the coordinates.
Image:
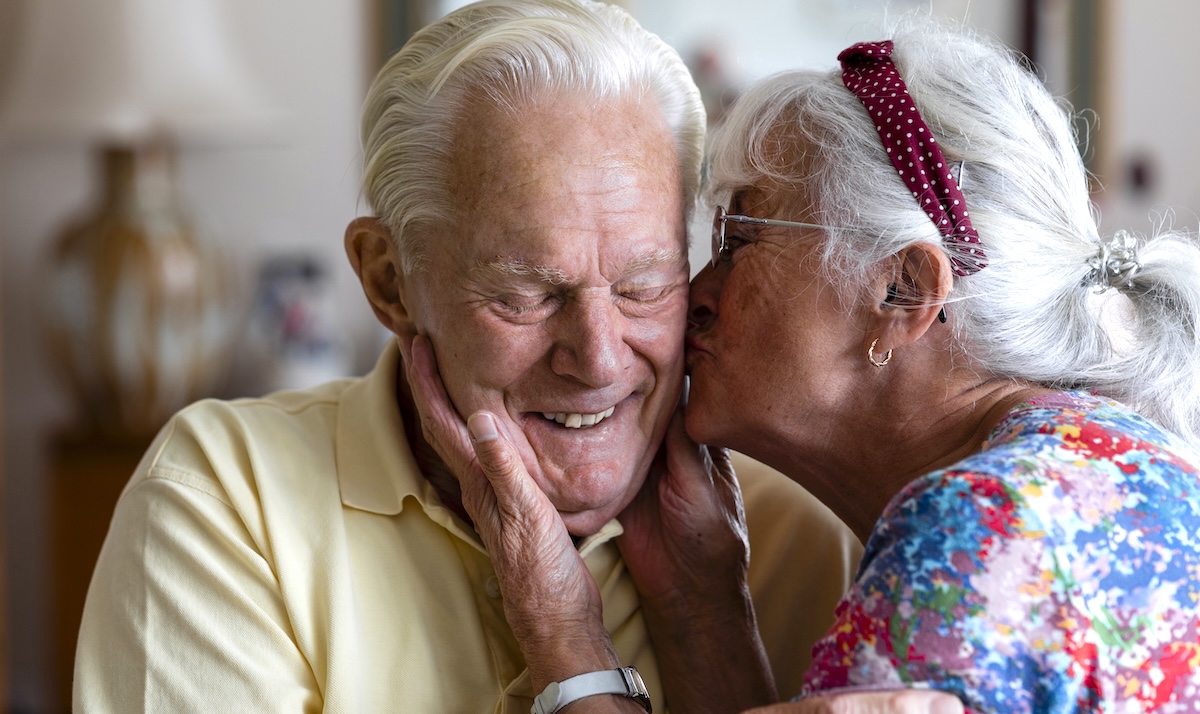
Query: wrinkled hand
(685, 533)
(550, 599)
(907, 701)
(687, 548)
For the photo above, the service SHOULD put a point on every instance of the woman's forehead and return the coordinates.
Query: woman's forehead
(751, 198)
(784, 161)
(772, 200)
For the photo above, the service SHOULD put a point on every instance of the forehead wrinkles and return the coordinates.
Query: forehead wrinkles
(513, 179)
(532, 153)
(527, 183)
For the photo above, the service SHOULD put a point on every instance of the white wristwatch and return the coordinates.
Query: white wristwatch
(624, 681)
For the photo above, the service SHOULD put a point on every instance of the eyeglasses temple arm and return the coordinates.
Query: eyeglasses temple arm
(771, 222)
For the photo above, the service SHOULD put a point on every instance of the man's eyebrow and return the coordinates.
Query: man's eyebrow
(646, 261)
(522, 269)
(515, 267)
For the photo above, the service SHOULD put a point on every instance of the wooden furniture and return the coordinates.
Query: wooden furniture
(4, 612)
(88, 473)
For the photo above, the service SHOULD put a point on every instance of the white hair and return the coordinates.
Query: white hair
(1030, 314)
(510, 53)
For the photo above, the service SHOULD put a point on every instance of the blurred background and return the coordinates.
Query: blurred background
(175, 178)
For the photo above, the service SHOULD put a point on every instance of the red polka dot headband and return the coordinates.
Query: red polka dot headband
(868, 71)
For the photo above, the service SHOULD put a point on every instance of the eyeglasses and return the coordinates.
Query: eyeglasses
(721, 250)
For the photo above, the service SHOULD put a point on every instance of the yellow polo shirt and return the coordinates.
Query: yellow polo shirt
(284, 554)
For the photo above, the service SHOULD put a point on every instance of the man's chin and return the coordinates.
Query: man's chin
(583, 524)
(589, 493)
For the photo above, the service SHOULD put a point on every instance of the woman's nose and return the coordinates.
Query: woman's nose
(703, 297)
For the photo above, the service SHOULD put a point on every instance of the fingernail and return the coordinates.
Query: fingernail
(947, 704)
(416, 348)
(482, 427)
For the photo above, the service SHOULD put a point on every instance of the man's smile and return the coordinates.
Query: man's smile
(578, 420)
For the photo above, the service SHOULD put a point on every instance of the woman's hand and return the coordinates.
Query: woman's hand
(905, 701)
(685, 532)
(550, 600)
(687, 548)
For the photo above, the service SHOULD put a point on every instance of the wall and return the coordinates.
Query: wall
(764, 36)
(297, 191)
(1153, 100)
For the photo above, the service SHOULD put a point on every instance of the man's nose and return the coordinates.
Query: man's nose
(590, 343)
(703, 297)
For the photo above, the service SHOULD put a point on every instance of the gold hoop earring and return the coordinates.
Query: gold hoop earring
(871, 355)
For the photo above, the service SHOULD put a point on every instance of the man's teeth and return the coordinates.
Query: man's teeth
(575, 420)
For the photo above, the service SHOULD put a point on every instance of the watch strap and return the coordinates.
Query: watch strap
(624, 681)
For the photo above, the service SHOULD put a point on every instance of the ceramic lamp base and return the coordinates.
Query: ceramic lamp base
(142, 310)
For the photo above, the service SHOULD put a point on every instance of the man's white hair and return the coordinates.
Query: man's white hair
(1030, 314)
(509, 53)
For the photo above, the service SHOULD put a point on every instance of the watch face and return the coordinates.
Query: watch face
(637, 688)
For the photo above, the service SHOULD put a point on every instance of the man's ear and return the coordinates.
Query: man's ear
(910, 294)
(373, 256)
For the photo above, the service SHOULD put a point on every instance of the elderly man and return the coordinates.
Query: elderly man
(532, 166)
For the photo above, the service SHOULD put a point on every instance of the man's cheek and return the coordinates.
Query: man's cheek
(466, 392)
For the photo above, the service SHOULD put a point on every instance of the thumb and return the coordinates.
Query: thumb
(497, 457)
(920, 701)
(903, 701)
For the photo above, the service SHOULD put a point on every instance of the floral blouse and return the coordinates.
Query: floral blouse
(1058, 570)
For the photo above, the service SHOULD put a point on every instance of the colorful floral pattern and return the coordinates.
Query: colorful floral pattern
(1058, 570)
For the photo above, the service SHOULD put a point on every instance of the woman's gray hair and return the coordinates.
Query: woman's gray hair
(509, 53)
(1036, 312)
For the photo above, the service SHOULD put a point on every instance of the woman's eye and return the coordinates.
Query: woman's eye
(733, 244)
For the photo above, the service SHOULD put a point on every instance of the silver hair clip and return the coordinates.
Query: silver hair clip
(1115, 264)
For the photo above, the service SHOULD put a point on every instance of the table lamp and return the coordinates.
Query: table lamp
(141, 309)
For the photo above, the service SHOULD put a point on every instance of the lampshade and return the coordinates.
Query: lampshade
(117, 71)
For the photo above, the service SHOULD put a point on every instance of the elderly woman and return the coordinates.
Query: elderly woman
(929, 332)
(910, 311)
